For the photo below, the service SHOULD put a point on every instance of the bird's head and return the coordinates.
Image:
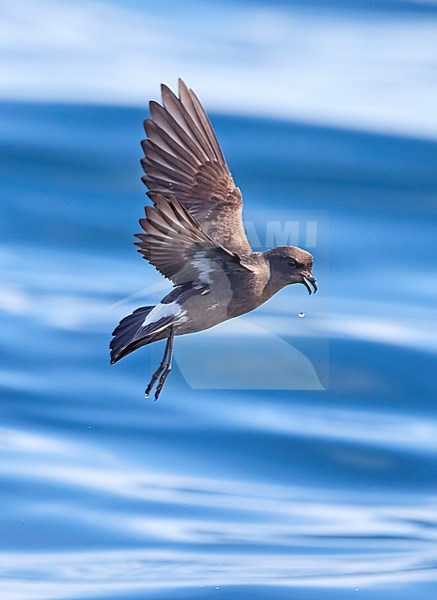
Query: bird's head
(290, 264)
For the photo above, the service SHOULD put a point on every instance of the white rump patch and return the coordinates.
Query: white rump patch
(160, 311)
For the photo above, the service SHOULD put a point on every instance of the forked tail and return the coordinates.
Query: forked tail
(128, 335)
(145, 325)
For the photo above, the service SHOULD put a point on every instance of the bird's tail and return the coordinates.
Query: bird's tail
(129, 334)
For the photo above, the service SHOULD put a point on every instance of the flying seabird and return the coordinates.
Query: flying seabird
(193, 234)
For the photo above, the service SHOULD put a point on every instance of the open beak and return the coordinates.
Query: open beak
(308, 281)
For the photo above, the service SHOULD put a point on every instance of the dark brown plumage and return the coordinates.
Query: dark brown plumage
(194, 235)
(183, 156)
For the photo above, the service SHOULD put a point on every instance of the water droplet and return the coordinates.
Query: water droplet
(301, 315)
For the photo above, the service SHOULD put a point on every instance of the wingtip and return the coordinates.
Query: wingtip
(154, 108)
(164, 90)
(149, 127)
(182, 86)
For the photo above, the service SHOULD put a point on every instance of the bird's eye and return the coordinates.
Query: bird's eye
(292, 262)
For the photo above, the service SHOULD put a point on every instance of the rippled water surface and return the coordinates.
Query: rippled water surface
(234, 484)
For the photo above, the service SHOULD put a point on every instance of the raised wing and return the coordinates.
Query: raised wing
(178, 247)
(182, 156)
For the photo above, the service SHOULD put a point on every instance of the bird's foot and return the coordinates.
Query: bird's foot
(152, 382)
(162, 381)
(164, 368)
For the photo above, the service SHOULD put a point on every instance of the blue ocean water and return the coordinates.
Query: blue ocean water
(248, 492)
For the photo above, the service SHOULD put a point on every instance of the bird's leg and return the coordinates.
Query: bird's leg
(159, 370)
(168, 366)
